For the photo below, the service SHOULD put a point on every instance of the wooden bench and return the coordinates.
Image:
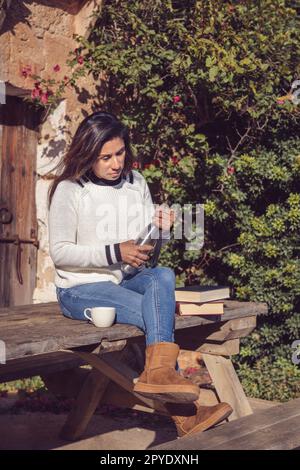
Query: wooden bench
(40, 341)
(277, 428)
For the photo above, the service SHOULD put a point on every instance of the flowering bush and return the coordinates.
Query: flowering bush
(47, 93)
(259, 204)
(207, 96)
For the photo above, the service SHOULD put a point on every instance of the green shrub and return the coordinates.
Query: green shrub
(278, 380)
(198, 83)
(30, 384)
(260, 202)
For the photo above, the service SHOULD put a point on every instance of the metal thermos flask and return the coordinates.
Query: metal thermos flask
(148, 236)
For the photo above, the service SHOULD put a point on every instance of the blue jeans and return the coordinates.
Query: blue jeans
(146, 300)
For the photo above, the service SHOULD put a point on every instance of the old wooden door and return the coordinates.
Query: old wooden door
(18, 224)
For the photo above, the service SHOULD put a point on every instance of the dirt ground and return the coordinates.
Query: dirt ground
(116, 429)
(109, 429)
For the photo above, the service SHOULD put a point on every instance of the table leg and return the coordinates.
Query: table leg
(87, 401)
(227, 384)
(106, 368)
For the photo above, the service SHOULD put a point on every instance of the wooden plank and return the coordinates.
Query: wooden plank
(63, 334)
(233, 309)
(85, 406)
(216, 333)
(235, 328)
(38, 365)
(90, 395)
(7, 146)
(55, 362)
(17, 191)
(227, 384)
(41, 328)
(118, 372)
(276, 428)
(259, 404)
(117, 396)
(207, 397)
(227, 348)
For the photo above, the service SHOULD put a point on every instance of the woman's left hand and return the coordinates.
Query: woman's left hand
(164, 217)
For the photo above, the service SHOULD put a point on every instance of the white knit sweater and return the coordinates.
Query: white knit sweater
(87, 221)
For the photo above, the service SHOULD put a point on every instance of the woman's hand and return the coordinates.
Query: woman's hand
(135, 255)
(164, 217)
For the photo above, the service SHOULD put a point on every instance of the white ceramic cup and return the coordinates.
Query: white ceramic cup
(101, 316)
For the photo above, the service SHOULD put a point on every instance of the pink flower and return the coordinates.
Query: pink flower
(36, 93)
(26, 71)
(135, 165)
(80, 59)
(56, 68)
(176, 99)
(37, 85)
(174, 160)
(230, 170)
(191, 370)
(280, 101)
(44, 98)
(66, 78)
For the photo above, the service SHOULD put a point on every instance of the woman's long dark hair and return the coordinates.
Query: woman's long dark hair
(92, 133)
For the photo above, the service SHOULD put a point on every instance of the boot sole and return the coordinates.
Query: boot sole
(182, 394)
(214, 419)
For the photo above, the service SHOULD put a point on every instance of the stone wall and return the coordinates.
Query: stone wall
(52, 130)
(39, 34)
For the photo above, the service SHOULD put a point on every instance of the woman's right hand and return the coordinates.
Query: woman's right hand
(133, 254)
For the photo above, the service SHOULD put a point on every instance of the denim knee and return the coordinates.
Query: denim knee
(164, 275)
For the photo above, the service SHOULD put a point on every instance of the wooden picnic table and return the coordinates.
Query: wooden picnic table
(40, 341)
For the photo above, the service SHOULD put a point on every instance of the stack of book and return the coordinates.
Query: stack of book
(201, 300)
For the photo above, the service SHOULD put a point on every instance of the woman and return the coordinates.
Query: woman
(97, 207)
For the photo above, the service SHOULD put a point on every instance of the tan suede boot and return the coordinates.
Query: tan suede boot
(160, 381)
(191, 418)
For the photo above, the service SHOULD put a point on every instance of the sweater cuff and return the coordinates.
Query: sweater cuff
(113, 253)
(118, 252)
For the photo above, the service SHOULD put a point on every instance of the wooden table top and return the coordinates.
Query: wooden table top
(40, 328)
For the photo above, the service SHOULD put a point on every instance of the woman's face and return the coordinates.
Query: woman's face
(110, 162)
